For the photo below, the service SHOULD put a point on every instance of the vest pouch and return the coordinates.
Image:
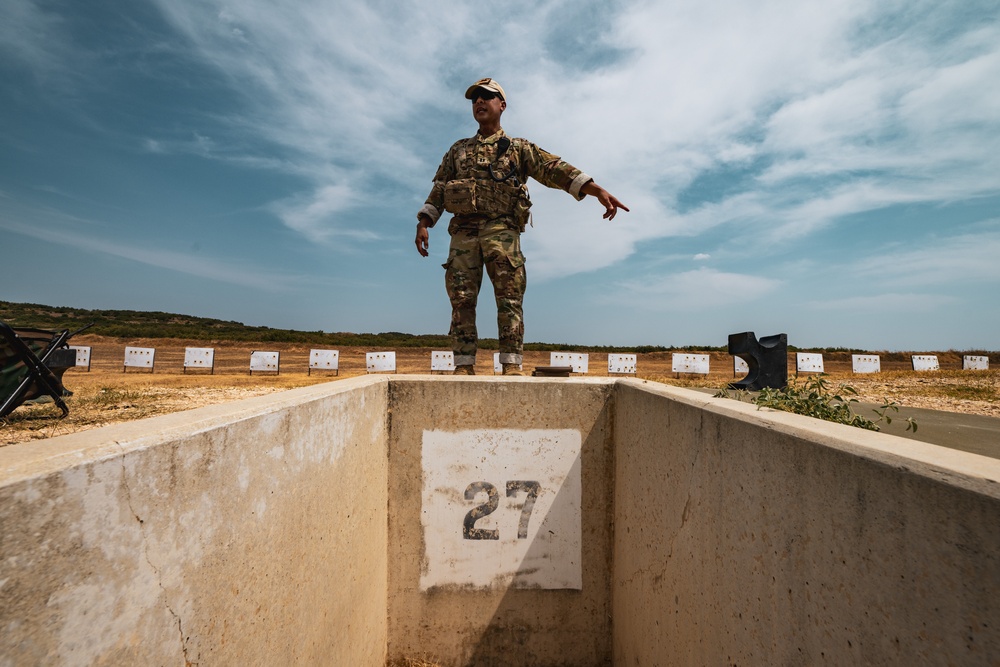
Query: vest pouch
(460, 196)
(522, 209)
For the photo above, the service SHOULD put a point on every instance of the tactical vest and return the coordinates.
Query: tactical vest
(482, 194)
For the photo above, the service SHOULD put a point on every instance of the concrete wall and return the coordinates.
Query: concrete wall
(298, 528)
(499, 624)
(747, 537)
(241, 534)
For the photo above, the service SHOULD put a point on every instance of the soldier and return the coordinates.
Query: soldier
(482, 181)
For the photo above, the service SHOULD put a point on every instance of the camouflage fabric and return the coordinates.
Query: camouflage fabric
(472, 158)
(490, 237)
(497, 247)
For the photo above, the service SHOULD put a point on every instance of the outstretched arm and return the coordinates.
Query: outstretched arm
(608, 200)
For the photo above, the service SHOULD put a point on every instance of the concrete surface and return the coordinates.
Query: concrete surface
(300, 528)
(500, 624)
(760, 537)
(242, 534)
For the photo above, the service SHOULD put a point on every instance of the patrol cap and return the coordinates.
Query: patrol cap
(486, 84)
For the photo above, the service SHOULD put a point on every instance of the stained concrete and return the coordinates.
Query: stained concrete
(245, 534)
(288, 530)
(759, 537)
(461, 625)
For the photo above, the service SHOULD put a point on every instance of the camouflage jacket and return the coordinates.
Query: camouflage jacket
(472, 158)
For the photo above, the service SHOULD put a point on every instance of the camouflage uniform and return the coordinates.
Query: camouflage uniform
(488, 233)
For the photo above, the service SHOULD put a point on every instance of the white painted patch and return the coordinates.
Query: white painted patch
(443, 361)
(621, 363)
(925, 362)
(689, 363)
(866, 363)
(808, 362)
(514, 544)
(244, 478)
(970, 363)
(260, 508)
(578, 360)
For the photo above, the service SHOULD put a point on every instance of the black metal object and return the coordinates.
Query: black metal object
(552, 371)
(767, 359)
(25, 373)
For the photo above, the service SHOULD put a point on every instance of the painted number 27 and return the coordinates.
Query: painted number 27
(469, 530)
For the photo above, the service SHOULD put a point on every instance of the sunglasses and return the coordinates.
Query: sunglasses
(483, 94)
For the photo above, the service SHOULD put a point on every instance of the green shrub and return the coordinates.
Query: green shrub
(817, 398)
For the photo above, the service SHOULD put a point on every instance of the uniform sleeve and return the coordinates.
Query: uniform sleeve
(433, 207)
(552, 171)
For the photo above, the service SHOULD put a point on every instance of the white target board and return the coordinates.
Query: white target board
(199, 357)
(501, 508)
(377, 362)
(866, 363)
(139, 357)
(82, 355)
(808, 362)
(969, 363)
(621, 363)
(689, 363)
(324, 360)
(264, 361)
(443, 361)
(579, 361)
(740, 366)
(925, 362)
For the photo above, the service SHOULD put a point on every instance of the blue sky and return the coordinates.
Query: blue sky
(826, 169)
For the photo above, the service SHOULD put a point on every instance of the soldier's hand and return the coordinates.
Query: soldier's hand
(608, 200)
(610, 203)
(423, 240)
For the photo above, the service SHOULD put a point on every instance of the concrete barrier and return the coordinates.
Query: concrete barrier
(242, 534)
(514, 521)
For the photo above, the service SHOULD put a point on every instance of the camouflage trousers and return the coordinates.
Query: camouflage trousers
(495, 245)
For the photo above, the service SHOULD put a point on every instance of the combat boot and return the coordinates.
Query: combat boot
(512, 369)
(464, 370)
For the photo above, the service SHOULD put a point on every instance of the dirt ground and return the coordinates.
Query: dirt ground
(107, 395)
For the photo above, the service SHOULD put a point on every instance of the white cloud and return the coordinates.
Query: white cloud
(316, 215)
(965, 259)
(696, 290)
(884, 304)
(34, 37)
(831, 108)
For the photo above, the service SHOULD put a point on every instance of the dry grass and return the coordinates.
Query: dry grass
(106, 395)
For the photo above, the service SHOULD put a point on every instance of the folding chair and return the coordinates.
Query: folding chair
(32, 362)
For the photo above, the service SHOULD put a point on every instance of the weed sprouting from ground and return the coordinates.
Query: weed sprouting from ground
(816, 397)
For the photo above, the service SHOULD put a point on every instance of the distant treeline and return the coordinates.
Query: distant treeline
(154, 324)
(145, 324)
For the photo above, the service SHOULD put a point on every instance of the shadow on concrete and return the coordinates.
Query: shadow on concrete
(515, 635)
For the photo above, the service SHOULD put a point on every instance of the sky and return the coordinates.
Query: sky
(829, 170)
